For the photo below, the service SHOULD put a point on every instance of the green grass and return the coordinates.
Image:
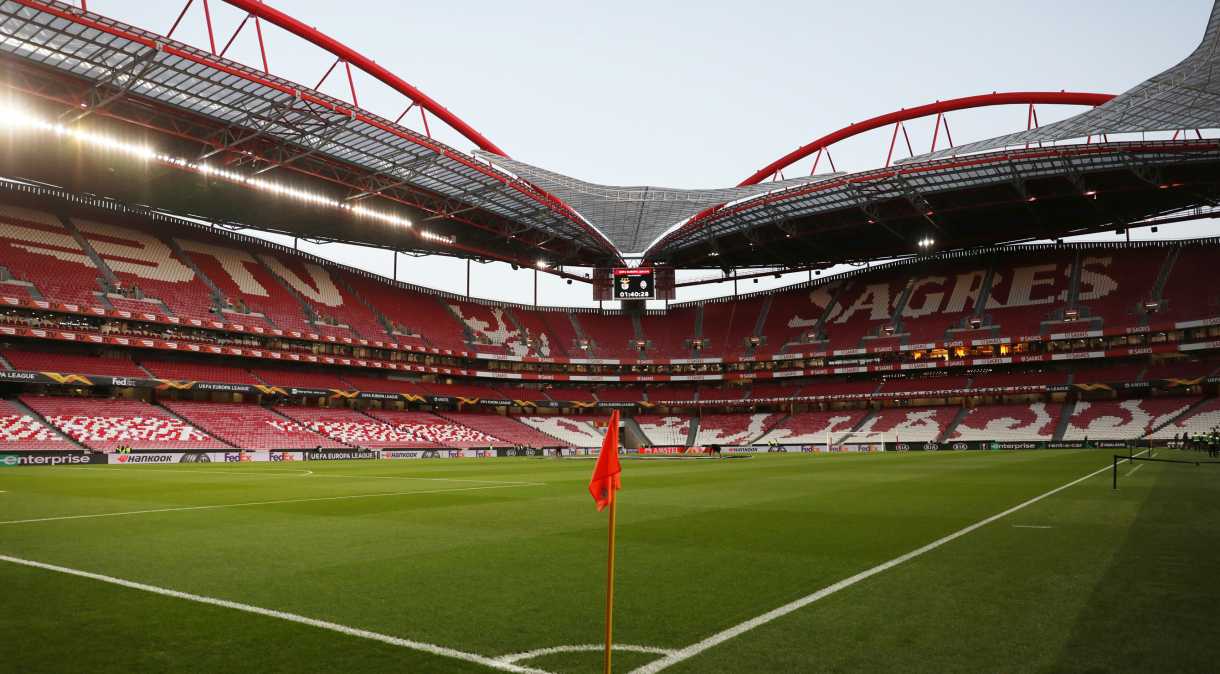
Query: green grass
(1121, 581)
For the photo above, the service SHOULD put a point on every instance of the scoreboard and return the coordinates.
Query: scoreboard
(634, 283)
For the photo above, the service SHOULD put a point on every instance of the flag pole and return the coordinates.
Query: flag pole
(610, 585)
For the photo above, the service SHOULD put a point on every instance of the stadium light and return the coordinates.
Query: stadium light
(927, 242)
(541, 264)
(17, 118)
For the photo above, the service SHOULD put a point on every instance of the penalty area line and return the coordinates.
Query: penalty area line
(774, 614)
(582, 648)
(247, 504)
(420, 646)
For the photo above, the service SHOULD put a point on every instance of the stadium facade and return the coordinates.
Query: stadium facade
(135, 318)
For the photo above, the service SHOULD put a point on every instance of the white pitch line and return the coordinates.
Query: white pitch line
(1031, 526)
(1132, 471)
(420, 646)
(581, 648)
(154, 471)
(741, 628)
(253, 503)
(434, 479)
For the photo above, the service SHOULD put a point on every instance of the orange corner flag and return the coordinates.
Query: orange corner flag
(607, 470)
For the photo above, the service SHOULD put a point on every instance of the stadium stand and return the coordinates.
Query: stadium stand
(939, 298)
(21, 431)
(621, 395)
(71, 363)
(668, 334)
(411, 313)
(612, 335)
(1027, 288)
(812, 428)
(146, 266)
(349, 427)
(570, 430)
(665, 431)
(915, 424)
(36, 248)
(1181, 295)
(300, 378)
(1036, 421)
(1202, 418)
(728, 326)
(570, 394)
(733, 429)
(1115, 283)
(904, 385)
(505, 429)
(106, 424)
(210, 372)
(1122, 420)
(429, 430)
(548, 334)
(248, 426)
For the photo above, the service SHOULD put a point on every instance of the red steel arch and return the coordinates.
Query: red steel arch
(267, 13)
(937, 108)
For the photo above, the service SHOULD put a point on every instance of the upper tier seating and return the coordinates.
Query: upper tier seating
(1037, 421)
(21, 431)
(71, 363)
(210, 372)
(1181, 295)
(727, 326)
(733, 429)
(106, 424)
(507, 429)
(794, 313)
(763, 389)
(941, 296)
(243, 279)
(323, 290)
(1102, 273)
(411, 312)
(549, 334)
(664, 431)
(1107, 371)
(1202, 419)
(725, 392)
(142, 260)
(612, 335)
(915, 424)
(668, 334)
(571, 431)
(1026, 288)
(429, 430)
(248, 426)
(36, 247)
(812, 428)
(1125, 420)
(864, 307)
(491, 326)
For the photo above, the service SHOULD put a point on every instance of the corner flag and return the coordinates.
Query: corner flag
(606, 472)
(602, 485)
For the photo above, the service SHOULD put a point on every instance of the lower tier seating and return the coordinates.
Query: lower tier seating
(108, 424)
(1122, 420)
(350, 427)
(664, 431)
(507, 429)
(733, 429)
(923, 424)
(249, 426)
(429, 430)
(1037, 421)
(812, 428)
(21, 431)
(1202, 419)
(572, 431)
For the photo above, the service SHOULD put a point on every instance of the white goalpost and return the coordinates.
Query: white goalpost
(856, 441)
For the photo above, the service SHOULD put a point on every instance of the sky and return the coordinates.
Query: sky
(698, 94)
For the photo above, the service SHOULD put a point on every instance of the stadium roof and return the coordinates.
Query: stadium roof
(232, 124)
(632, 217)
(1184, 97)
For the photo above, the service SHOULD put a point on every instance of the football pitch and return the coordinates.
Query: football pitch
(941, 561)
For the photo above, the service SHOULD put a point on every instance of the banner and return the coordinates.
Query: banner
(340, 454)
(11, 459)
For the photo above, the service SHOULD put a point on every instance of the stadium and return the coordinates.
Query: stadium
(972, 422)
